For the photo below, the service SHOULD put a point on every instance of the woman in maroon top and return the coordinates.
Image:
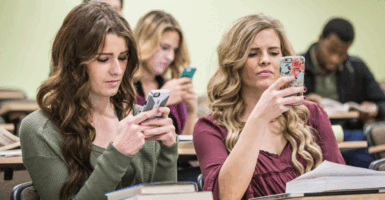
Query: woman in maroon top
(254, 142)
(164, 52)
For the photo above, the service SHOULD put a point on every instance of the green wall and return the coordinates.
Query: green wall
(28, 28)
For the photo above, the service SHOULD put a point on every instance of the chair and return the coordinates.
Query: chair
(24, 191)
(200, 182)
(375, 134)
(378, 165)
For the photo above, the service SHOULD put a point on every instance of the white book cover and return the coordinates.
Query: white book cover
(330, 176)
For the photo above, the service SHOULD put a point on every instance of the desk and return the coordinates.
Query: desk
(8, 127)
(377, 196)
(17, 106)
(352, 145)
(4, 94)
(344, 115)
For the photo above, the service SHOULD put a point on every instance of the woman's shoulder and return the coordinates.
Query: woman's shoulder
(315, 110)
(207, 124)
(36, 120)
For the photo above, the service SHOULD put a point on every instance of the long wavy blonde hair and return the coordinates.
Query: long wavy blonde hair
(224, 91)
(148, 32)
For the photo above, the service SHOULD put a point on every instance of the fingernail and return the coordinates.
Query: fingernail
(304, 89)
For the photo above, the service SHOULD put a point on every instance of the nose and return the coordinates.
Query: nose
(265, 59)
(335, 59)
(116, 68)
(170, 56)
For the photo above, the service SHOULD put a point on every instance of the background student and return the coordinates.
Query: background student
(163, 52)
(253, 143)
(88, 138)
(332, 73)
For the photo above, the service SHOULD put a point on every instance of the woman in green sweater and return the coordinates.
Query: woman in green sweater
(89, 137)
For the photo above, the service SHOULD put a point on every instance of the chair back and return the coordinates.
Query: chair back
(378, 165)
(375, 134)
(24, 191)
(200, 182)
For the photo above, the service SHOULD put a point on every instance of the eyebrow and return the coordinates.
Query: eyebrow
(257, 48)
(110, 54)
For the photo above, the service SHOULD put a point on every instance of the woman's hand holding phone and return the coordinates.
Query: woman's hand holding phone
(130, 138)
(177, 89)
(275, 101)
(162, 129)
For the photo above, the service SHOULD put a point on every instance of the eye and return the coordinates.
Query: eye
(123, 57)
(252, 54)
(274, 53)
(164, 47)
(102, 60)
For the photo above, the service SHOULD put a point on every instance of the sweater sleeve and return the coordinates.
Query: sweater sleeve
(211, 152)
(49, 171)
(166, 168)
(324, 134)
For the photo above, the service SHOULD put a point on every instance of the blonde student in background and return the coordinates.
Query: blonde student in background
(89, 137)
(253, 142)
(163, 52)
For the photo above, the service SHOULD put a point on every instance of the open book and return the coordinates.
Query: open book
(152, 189)
(332, 106)
(329, 176)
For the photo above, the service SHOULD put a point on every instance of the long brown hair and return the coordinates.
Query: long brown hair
(224, 90)
(63, 97)
(148, 32)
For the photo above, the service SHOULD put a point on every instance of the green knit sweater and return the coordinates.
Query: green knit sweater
(40, 144)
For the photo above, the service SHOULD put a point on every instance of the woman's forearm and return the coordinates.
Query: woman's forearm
(192, 118)
(236, 172)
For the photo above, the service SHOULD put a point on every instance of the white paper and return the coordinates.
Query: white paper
(10, 153)
(185, 137)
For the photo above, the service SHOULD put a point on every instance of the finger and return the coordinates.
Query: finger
(292, 100)
(144, 115)
(291, 90)
(186, 87)
(165, 111)
(282, 81)
(156, 137)
(157, 122)
(184, 80)
(158, 131)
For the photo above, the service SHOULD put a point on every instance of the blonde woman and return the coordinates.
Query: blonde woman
(253, 142)
(164, 52)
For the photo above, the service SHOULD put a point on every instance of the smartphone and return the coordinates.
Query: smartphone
(188, 72)
(155, 99)
(293, 66)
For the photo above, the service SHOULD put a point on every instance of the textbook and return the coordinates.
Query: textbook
(185, 138)
(332, 106)
(329, 176)
(152, 188)
(176, 196)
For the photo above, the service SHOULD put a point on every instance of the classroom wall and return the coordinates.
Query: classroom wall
(28, 28)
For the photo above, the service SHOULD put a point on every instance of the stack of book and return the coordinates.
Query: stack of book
(160, 191)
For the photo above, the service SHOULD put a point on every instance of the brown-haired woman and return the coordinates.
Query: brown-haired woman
(163, 52)
(89, 138)
(254, 142)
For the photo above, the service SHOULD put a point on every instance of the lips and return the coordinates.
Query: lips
(265, 72)
(113, 82)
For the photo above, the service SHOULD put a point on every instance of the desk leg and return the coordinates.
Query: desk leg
(8, 174)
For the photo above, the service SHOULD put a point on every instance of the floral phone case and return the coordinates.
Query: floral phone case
(293, 66)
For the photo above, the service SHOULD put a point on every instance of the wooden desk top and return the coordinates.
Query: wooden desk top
(11, 95)
(28, 106)
(344, 115)
(8, 127)
(186, 148)
(352, 145)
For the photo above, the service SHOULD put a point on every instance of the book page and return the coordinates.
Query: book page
(332, 106)
(330, 169)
